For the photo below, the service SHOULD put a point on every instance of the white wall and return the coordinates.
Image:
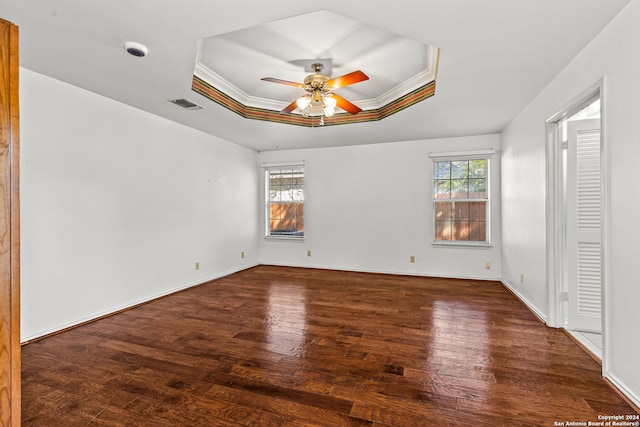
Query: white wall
(523, 214)
(119, 204)
(612, 55)
(369, 208)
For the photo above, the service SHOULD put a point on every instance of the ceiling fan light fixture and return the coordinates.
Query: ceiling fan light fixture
(328, 105)
(303, 102)
(320, 100)
(329, 101)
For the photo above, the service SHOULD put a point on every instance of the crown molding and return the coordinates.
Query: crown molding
(216, 88)
(208, 91)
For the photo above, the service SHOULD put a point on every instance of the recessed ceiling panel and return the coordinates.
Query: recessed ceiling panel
(233, 64)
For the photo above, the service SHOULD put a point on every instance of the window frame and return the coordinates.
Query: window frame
(454, 157)
(268, 170)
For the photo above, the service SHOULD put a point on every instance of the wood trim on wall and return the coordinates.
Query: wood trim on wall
(9, 227)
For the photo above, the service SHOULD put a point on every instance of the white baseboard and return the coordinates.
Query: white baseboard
(525, 301)
(60, 327)
(111, 310)
(633, 398)
(393, 272)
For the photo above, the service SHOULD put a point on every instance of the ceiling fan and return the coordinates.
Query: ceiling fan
(320, 99)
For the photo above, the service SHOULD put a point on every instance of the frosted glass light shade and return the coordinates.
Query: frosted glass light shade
(330, 101)
(329, 105)
(303, 102)
(328, 111)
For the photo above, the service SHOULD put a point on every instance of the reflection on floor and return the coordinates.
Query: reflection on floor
(591, 340)
(276, 346)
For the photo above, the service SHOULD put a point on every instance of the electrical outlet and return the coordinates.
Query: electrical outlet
(308, 253)
(198, 265)
(412, 259)
(242, 254)
(487, 265)
(522, 278)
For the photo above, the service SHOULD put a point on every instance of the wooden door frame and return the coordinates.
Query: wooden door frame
(9, 227)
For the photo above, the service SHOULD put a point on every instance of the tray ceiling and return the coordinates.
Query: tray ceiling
(496, 56)
(229, 67)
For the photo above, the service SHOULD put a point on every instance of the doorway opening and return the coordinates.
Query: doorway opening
(576, 226)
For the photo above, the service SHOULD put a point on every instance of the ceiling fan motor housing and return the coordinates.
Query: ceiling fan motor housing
(316, 81)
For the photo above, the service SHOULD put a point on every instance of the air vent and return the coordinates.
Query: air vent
(186, 104)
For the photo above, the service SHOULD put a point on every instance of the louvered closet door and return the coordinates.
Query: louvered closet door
(584, 218)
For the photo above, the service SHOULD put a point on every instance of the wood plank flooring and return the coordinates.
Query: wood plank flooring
(277, 346)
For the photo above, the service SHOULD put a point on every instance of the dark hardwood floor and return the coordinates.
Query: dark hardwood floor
(274, 346)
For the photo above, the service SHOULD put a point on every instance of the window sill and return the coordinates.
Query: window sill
(459, 245)
(286, 238)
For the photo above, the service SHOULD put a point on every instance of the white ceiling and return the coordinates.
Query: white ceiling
(496, 55)
(282, 48)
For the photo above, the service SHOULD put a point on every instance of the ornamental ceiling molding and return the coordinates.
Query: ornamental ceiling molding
(256, 113)
(391, 99)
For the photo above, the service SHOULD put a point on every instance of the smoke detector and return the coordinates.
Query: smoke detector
(136, 49)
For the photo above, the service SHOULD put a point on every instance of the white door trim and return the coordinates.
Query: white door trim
(555, 227)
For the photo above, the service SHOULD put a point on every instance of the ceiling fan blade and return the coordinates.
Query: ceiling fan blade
(347, 79)
(346, 105)
(284, 82)
(289, 108)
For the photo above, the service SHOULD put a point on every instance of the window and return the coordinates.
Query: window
(461, 201)
(285, 202)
